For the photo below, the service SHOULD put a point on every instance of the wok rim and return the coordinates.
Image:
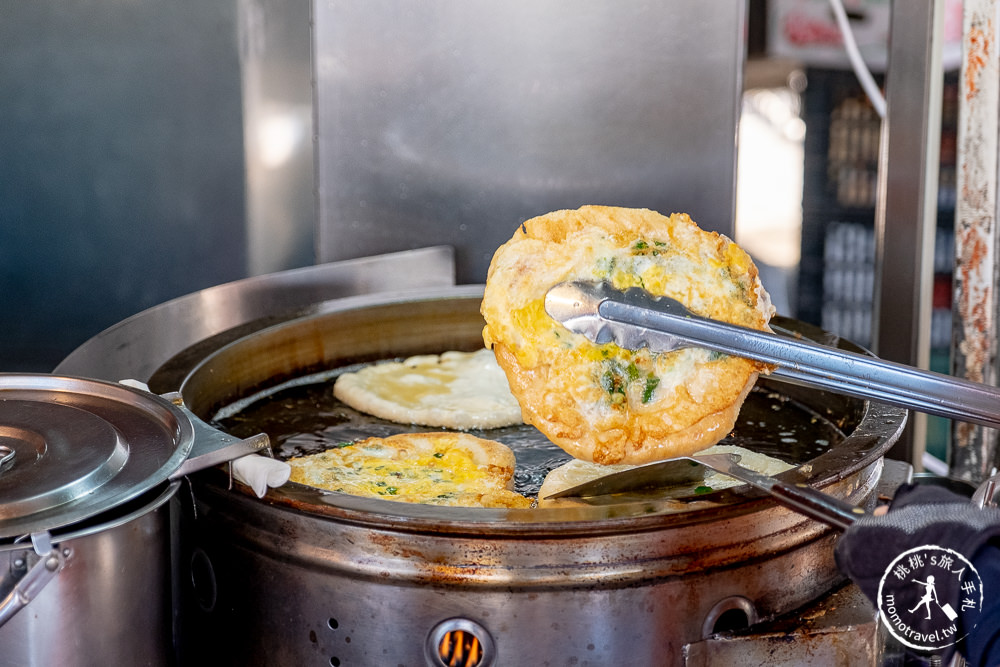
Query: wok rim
(858, 455)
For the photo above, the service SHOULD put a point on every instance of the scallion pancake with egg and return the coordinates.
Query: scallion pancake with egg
(446, 468)
(602, 403)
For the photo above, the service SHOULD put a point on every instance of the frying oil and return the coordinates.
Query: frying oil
(302, 417)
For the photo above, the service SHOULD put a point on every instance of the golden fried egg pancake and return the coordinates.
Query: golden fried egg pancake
(455, 469)
(602, 403)
(577, 472)
(460, 390)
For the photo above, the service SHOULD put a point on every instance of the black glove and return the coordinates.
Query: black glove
(915, 564)
(919, 515)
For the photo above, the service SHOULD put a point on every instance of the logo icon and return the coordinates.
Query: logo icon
(922, 593)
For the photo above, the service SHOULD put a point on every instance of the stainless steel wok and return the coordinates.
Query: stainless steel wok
(303, 571)
(301, 576)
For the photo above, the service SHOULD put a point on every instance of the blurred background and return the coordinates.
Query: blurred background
(152, 149)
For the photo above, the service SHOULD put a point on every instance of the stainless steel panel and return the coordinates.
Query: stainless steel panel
(451, 122)
(122, 180)
(278, 128)
(136, 347)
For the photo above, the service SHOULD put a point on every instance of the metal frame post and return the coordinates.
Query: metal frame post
(906, 215)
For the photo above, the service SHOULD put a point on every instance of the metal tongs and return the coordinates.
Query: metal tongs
(634, 319)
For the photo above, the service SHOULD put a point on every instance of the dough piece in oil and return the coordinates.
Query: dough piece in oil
(460, 390)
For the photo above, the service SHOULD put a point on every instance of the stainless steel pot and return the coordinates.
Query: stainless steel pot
(304, 576)
(109, 600)
(87, 469)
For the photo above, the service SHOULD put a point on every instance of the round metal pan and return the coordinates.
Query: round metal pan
(371, 328)
(647, 576)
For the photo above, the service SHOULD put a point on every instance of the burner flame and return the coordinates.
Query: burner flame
(459, 648)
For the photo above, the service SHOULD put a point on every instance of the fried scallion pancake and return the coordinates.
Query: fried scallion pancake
(602, 403)
(454, 469)
(459, 390)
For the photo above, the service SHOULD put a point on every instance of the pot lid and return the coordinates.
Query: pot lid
(71, 448)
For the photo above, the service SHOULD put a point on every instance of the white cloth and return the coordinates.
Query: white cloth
(259, 472)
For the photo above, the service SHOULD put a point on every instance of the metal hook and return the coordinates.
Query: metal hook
(7, 455)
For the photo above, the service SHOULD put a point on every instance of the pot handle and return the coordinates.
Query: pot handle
(50, 561)
(212, 446)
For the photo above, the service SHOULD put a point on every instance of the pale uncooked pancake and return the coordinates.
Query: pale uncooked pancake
(460, 390)
(577, 472)
(602, 403)
(452, 469)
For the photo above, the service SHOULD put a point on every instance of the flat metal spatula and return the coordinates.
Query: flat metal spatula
(634, 319)
(798, 497)
(681, 471)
